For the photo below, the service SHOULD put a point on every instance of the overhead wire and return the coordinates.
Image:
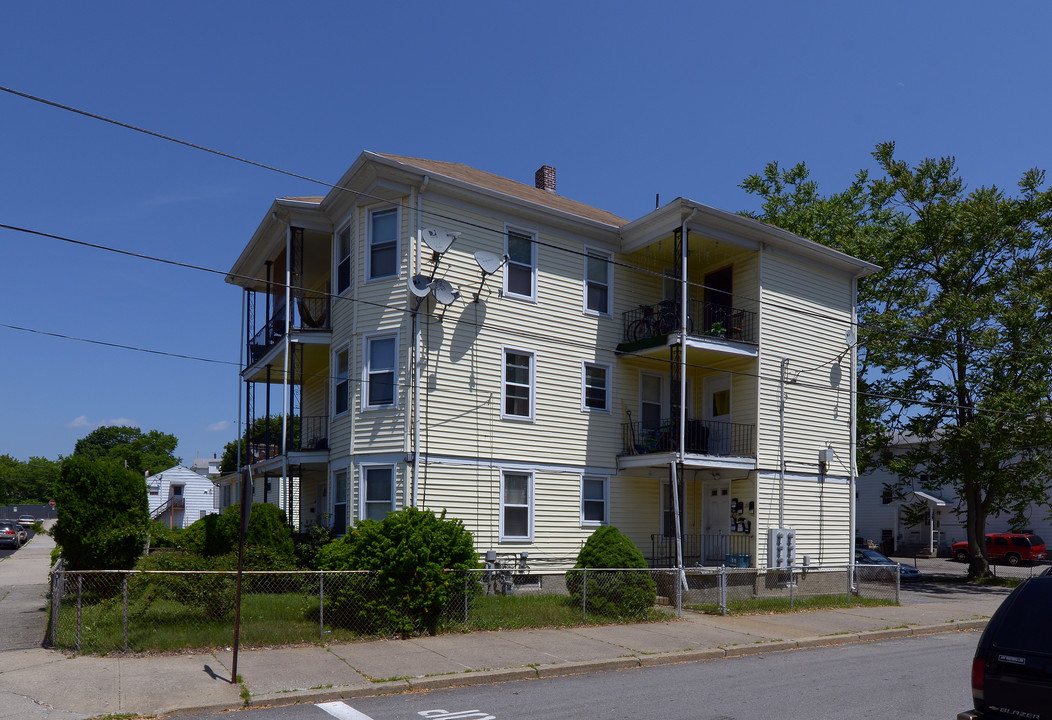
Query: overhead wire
(480, 226)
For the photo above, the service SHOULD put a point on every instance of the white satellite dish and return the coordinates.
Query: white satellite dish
(850, 337)
(444, 292)
(488, 262)
(420, 286)
(438, 240)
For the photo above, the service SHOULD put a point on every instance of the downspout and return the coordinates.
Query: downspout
(781, 443)
(853, 449)
(416, 350)
(681, 454)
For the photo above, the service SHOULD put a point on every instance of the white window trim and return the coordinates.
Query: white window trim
(348, 503)
(363, 472)
(603, 255)
(504, 350)
(584, 386)
(532, 297)
(336, 380)
(529, 504)
(337, 259)
(369, 244)
(606, 501)
(364, 395)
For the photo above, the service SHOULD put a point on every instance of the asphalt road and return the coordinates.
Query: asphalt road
(920, 677)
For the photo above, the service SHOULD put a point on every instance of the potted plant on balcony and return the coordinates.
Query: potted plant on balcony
(717, 329)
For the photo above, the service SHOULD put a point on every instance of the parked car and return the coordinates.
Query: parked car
(1010, 671)
(1013, 548)
(26, 520)
(875, 566)
(9, 535)
(23, 533)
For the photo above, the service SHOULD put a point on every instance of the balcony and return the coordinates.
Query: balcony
(704, 319)
(309, 315)
(305, 434)
(703, 437)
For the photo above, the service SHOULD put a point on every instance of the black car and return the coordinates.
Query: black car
(1012, 669)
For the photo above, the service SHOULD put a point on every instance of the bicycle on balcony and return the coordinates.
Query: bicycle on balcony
(655, 320)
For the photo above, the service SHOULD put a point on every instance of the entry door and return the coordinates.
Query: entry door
(716, 511)
(718, 297)
(717, 412)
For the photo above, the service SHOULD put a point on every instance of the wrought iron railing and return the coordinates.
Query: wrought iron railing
(704, 319)
(703, 437)
(310, 432)
(309, 314)
(715, 549)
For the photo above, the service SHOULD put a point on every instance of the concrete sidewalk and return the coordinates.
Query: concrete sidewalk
(39, 683)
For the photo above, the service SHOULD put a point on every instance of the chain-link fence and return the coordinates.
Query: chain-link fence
(112, 611)
(722, 589)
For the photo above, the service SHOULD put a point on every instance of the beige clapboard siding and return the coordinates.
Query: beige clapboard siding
(806, 312)
(819, 512)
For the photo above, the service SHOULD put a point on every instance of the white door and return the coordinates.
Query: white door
(716, 512)
(716, 411)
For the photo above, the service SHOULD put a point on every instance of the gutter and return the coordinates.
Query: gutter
(416, 352)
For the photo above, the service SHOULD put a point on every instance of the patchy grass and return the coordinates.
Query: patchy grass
(164, 625)
(757, 606)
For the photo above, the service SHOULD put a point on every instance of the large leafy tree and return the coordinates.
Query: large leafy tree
(102, 514)
(956, 334)
(32, 481)
(140, 451)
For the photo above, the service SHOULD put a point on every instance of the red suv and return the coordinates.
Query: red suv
(1013, 548)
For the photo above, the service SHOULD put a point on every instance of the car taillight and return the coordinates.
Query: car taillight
(978, 673)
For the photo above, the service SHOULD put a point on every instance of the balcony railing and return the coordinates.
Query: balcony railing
(704, 319)
(306, 433)
(309, 314)
(703, 437)
(699, 549)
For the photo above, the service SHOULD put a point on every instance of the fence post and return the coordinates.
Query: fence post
(584, 597)
(681, 579)
(56, 599)
(721, 587)
(792, 584)
(321, 604)
(80, 588)
(467, 587)
(898, 585)
(124, 593)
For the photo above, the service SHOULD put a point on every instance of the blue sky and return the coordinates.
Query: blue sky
(626, 100)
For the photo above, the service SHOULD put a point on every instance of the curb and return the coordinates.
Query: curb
(488, 677)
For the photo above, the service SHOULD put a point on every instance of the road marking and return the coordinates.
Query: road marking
(343, 711)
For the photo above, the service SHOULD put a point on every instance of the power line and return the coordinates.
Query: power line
(467, 223)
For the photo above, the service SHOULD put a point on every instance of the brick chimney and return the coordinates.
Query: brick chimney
(544, 178)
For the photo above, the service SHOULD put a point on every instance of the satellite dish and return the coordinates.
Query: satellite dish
(420, 286)
(438, 240)
(488, 262)
(849, 337)
(444, 292)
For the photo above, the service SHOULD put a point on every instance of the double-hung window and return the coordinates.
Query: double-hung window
(516, 506)
(339, 505)
(343, 260)
(383, 243)
(594, 500)
(381, 354)
(596, 392)
(597, 282)
(518, 384)
(377, 492)
(520, 274)
(342, 394)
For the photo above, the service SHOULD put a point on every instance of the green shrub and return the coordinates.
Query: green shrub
(102, 514)
(215, 535)
(211, 595)
(409, 553)
(307, 545)
(617, 594)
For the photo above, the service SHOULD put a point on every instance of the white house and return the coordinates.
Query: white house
(179, 496)
(883, 521)
(446, 338)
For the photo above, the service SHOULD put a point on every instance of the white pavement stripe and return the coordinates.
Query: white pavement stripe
(343, 711)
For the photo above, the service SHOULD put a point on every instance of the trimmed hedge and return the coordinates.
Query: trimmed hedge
(613, 593)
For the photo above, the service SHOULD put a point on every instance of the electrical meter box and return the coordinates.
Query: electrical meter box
(781, 547)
